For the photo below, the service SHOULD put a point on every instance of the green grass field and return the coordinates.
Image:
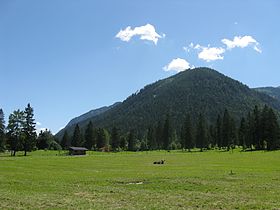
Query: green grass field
(45, 180)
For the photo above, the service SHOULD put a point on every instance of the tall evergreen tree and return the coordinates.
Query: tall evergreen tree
(166, 133)
(218, 132)
(257, 129)
(273, 131)
(66, 141)
(29, 141)
(45, 140)
(151, 139)
(242, 133)
(115, 139)
(89, 136)
(158, 135)
(101, 138)
(15, 131)
(250, 131)
(77, 139)
(188, 133)
(131, 141)
(2, 131)
(200, 133)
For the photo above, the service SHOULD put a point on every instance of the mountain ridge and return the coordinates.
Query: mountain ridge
(200, 90)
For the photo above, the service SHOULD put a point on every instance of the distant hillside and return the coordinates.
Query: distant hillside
(87, 116)
(271, 91)
(195, 91)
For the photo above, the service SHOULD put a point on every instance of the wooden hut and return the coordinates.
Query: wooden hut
(77, 150)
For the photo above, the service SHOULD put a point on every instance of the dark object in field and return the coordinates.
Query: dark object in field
(77, 150)
(159, 162)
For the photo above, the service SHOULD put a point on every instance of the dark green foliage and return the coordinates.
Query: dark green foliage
(166, 133)
(101, 138)
(158, 135)
(218, 132)
(187, 142)
(2, 131)
(201, 133)
(257, 129)
(66, 140)
(131, 140)
(195, 91)
(115, 139)
(15, 131)
(77, 139)
(151, 139)
(272, 131)
(228, 131)
(46, 141)
(271, 91)
(89, 136)
(29, 140)
(242, 133)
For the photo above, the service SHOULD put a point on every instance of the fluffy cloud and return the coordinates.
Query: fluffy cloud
(177, 65)
(242, 42)
(146, 32)
(211, 53)
(207, 53)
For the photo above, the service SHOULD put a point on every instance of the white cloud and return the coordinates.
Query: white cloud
(177, 65)
(38, 123)
(146, 32)
(211, 53)
(242, 42)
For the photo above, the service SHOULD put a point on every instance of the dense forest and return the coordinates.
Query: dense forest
(200, 90)
(258, 130)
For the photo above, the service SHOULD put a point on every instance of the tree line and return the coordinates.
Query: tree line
(258, 130)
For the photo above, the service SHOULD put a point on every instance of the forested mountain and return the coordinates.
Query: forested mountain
(89, 115)
(194, 92)
(271, 91)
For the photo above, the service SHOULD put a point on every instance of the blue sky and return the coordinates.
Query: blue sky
(67, 57)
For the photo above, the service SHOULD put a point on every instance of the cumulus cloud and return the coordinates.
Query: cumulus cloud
(177, 65)
(242, 42)
(207, 53)
(146, 32)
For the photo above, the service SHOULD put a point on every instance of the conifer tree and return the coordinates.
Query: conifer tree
(15, 131)
(242, 133)
(29, 140)
(151, 139)
(158, 135)
(218, 132)
(66, 141)
(2, 131)
(77, 139)
(101, 138)
(200, 133)
(115, 139)
(131, 141)
(166, 133)
(188, 134)
(257, 129)
(89, 136)
(273, 131)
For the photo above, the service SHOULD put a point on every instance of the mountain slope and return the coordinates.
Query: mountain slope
(195, 91)
(271, 91)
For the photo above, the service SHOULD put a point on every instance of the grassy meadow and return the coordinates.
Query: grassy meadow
(127, 180)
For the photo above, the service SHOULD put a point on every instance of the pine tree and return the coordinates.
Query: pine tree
(101, 138)
(115, 139)
(273, 131)
(66, 141)
(242, 133)
(166, 133)
(131, 141)
(158, 135)
(89, 136)
(45, 140)
(2, 131)
(257, 129)
(151, 139)
(250, 131)
(218, 132)
(77, 139)
(15, 131)
(188, 134)
(29, 130)
(200, 133)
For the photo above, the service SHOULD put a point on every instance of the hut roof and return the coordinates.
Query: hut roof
(78, 148)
